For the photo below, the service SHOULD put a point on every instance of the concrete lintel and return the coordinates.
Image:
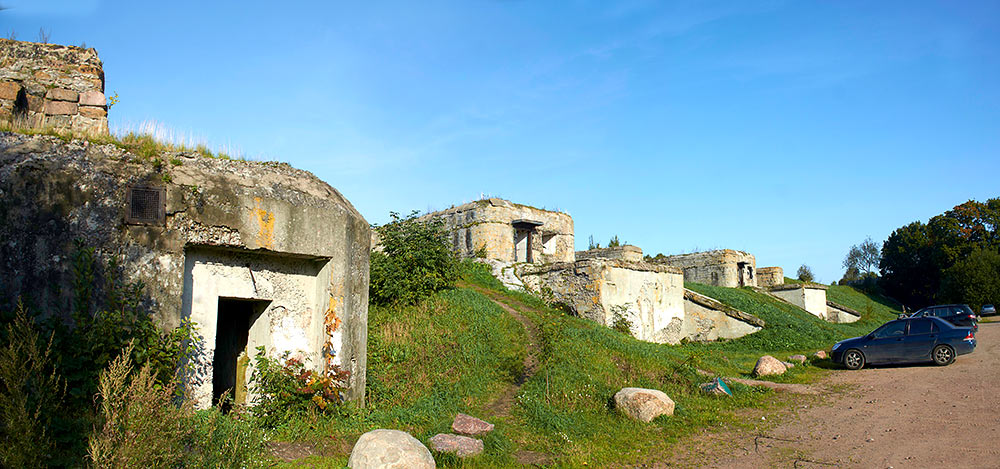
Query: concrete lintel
(843, 308)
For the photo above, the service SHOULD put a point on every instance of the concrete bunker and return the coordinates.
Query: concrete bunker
(812, 298)
(255, 254)
(603, 283)
(721, 268)
(507, 232)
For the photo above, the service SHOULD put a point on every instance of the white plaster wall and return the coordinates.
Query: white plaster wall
(815, 301)
(292, 321)
(654, 299)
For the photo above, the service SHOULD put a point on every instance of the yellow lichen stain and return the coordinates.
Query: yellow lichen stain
(265, 220)
(332, 321)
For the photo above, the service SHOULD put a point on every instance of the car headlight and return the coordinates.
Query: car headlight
(835, 346)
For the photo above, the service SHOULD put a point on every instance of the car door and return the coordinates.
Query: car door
(887, 343)
(921, 336)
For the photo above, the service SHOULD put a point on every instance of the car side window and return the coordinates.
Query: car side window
(893, 329)
(942, 312)
(921, 326)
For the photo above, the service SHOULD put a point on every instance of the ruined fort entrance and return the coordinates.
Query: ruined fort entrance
(241, 300)
(229, 365)
(524, 233)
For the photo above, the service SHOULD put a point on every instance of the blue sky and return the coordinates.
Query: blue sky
(788, 129)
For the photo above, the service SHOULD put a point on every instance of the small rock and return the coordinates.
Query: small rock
(800, 359)
(870, 440)
(643, 404)
(768, 365)
(820, 354)
(788, 365)
(469, 425)
(462, 446)
(390, 449)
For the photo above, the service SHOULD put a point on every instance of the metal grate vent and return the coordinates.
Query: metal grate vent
(145, 206)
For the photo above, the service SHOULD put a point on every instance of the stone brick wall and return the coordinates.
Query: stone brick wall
(52, 86)
(486, 227)
(720, 268)
(770, 276)
(626, 253)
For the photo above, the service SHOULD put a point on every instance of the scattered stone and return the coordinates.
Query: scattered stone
(716, 387)
(768, 365)
(800, 359)
(462, 446)
(92, 98)
(61, 94)
(643, 404)
(469, 425)
(389, 449)
(788, 365)
(820, 354)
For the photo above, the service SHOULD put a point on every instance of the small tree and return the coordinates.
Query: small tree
(614, 243)
(415, 261)
(805, 273)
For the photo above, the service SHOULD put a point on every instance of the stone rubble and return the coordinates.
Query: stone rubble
(643, 404)
(469, 425)
(768, 365)
(461, 446)
(390, 449)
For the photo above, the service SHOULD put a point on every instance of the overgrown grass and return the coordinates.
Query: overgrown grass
(458, 351)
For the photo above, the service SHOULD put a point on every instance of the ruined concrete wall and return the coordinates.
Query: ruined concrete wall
(840, 314)
(255, 230)
(650, 296)
(770, 276)
(810, 297)
(52, 86)
(627, 253)
(706, 319)
(485, 227)
(720, 268)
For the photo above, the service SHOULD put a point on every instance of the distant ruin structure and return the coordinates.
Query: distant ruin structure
(508, 232)
(812, 298)
(52, 86)
(770, 276)
(721, 268)
(611, 284)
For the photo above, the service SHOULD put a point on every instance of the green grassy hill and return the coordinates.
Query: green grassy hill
(458, 351)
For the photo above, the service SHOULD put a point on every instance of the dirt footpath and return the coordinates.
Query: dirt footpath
(919, 416)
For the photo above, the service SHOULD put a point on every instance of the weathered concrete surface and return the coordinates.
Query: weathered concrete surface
(233, 229)
(390, 449)
(706, 319)
(808, 296)
(770, 276)
(723, 268)
(840, 313)
(627, 253)
(650, 296)
(499, 229)
(51, 85)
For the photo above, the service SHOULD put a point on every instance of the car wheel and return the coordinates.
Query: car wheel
(854, 359)
(943, 355)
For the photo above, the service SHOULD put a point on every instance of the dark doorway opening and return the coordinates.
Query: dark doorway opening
(229, 364)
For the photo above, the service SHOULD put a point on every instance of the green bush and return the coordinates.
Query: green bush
(225, 441)
(414, 262)
(285, 387)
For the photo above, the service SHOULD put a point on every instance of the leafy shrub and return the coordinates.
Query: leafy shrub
(414, 262)
(225, 441)
(31, 393)
(285, 387)
(805, 273)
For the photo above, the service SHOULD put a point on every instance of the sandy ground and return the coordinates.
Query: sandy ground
(919, 416)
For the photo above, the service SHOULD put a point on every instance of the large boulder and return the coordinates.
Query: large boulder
(390, 449)
(469, 425)
(768, 365)
(462, 446)
(643, 404)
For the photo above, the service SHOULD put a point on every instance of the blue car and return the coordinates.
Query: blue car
(907, 340)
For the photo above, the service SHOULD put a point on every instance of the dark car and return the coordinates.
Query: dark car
(988, 310)
(959, 315)
(907, 340)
